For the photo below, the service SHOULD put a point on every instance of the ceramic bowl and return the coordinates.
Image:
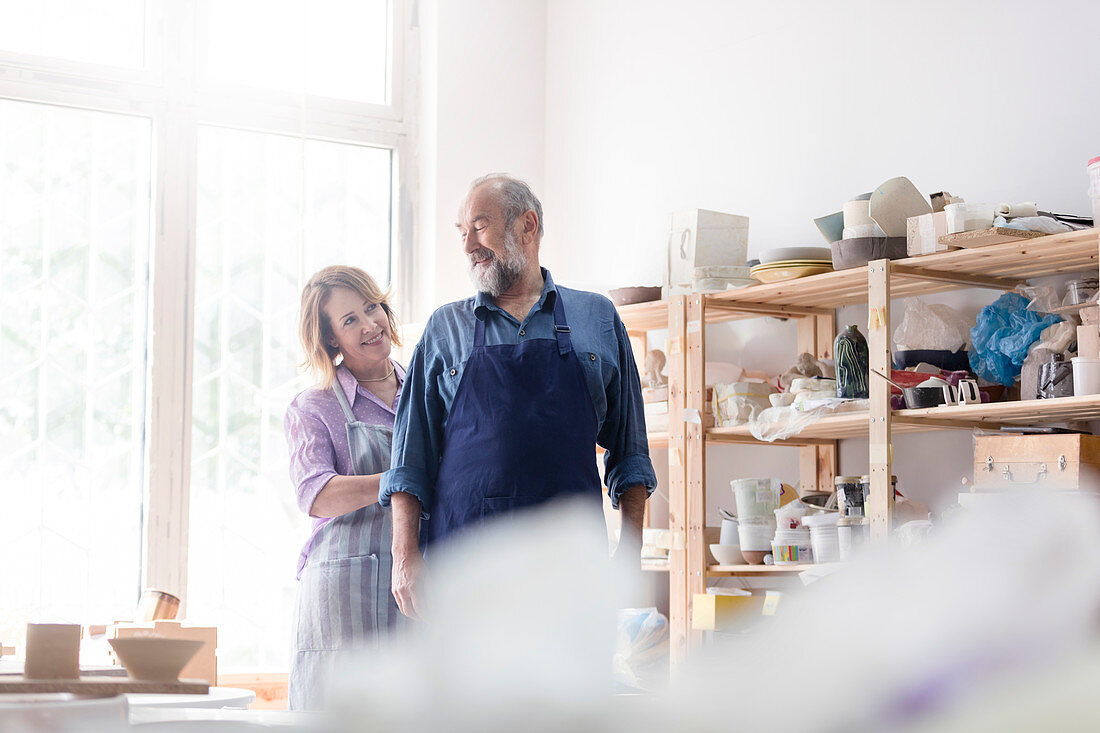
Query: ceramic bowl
(726, 554)
(755, 557)
(950, 361)
(779, 254)
(155, 658)
(637, 294)
(856, 252)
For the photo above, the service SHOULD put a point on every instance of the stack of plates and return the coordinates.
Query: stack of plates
(775, 272)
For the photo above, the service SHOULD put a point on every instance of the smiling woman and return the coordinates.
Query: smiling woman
(339, 436)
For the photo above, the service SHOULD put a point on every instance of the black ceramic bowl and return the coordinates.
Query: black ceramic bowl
(951, 361)
(849, 253)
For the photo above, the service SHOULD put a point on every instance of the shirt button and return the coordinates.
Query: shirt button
(453, 372)
(592, 357)
(522, 332)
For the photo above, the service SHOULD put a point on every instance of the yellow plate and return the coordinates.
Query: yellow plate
(791, 272)
(791, 263)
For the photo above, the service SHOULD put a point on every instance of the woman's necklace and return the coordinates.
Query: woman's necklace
(380, 379)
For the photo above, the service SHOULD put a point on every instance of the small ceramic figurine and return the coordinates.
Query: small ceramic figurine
(852, 364)
(654, 365)
(806, 366)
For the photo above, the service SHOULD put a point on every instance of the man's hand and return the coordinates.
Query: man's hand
(405, 581)
(631, 510)
(408, 563)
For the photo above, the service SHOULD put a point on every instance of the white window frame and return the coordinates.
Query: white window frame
(172, 93)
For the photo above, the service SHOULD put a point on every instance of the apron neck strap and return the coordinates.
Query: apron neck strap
(338, 389)
(561, 327)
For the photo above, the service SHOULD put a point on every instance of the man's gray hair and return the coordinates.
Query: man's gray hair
(516, 198)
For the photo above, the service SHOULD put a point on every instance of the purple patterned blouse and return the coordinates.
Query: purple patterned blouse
(318, 443)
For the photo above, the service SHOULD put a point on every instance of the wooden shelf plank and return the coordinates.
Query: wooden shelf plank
(728, 570)
(649, 316)
(988, 416)
(1027, 258)
(654, 567)
(995, 265)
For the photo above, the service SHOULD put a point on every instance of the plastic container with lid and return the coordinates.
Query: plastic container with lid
(1086, 375)
(865, 483)
(849, 494)
(755, 533)
(756, 497)
(792, 547)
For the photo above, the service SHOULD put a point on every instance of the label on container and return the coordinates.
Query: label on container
(765, 496)
(791, 554)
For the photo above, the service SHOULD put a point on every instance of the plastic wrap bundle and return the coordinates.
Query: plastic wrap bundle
(1004, 333)
(641, 648)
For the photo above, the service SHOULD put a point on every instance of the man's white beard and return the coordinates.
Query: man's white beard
(501, 272)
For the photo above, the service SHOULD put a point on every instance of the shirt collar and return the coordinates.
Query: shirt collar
(351, 387)
(483, 302)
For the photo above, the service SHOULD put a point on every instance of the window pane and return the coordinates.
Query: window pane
(328, 48)
(110, 32)
(74, 239)
(271, 211)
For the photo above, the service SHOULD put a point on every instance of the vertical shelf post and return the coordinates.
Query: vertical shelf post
(638, 344)
(695, 451)
(817, 463)
(678, 609)
(880, 505)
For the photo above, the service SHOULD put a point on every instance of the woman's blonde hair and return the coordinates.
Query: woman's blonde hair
(314, 329)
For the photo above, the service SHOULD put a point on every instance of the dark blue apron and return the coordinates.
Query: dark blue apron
(521, 431)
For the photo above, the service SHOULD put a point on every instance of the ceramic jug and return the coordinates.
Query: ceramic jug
(852, 364)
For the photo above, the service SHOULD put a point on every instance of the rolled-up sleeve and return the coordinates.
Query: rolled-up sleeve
(312, 456)
(623, 432)
(417, 435)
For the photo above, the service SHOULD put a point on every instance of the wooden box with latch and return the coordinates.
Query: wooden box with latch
(1064, 462)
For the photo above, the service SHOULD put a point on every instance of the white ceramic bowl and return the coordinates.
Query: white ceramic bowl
(778, 254)
(727, 554)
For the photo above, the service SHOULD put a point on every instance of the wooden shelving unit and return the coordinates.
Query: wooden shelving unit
(812, 301)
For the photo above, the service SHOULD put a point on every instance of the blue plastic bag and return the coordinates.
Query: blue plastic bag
(1004, 333)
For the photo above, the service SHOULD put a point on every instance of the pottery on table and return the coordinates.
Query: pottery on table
(852, 364)
(53, 652)
(155, 658)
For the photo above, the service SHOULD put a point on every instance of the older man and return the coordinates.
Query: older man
(508, 393)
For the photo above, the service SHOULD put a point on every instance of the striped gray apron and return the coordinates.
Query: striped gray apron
(344, 600)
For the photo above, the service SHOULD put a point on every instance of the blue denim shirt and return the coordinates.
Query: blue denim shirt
(435, 372)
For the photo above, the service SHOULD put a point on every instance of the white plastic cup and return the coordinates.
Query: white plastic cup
(1086, 375)
(825, 542)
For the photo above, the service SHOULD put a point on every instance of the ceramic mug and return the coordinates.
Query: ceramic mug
(53, 651)
(968, 392)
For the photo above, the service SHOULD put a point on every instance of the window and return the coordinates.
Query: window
(165, 191)
(74, 240)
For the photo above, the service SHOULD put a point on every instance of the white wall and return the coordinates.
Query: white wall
(621, 111)
(483, 71)
(782, 111)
